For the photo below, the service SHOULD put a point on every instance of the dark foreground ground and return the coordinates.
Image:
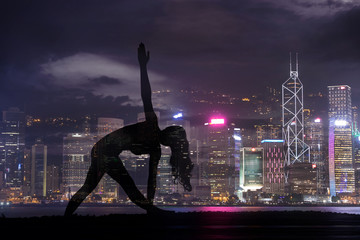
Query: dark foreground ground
(207, 225)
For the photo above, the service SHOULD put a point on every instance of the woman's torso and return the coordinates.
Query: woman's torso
(139, 138)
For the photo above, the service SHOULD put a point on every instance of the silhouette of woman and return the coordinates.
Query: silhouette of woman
(140, 138)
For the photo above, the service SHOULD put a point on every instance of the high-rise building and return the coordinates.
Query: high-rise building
(341, 168)
(26, 188)
(179, 121)
(355, 115)
(53, 179)
(251, 169)
(76, 161)
(274, 179)
(356, 148)
(107, 186)
(316, 139)
(165, 183)
(296, 150)
(267, 131)
(108, 125)
(302, 178)
(12, 145)
(340, 106)
(38, 169)
(221, 165)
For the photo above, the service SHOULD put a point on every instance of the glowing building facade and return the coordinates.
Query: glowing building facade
(356, 147)
(341, 168)
(296, 150)
(223, 142)
(38, 168)
(76, 161)
(315, 137)
(107, 186)
(12, 146)
(274, 179)
(251, 168)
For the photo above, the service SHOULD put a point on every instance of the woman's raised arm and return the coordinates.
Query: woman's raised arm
(143, 58)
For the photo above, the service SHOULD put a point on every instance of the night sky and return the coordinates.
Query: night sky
(60, 57)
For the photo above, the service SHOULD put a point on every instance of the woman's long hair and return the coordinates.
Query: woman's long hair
(181, 165)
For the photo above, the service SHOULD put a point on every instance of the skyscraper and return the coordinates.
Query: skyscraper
(302, 178)
(108, 125)
(318, 146)
(251, 168)
(38, 168)
(296, 150)
(340, 106)
(267, 131)
(356, 148)
(76, 161)
(12, 145)
(220, 168)
(274, 179)
(53, 179)
(108, 186)
(341, 168)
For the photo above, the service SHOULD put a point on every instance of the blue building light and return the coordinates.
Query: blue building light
(237, 137)
(272, 141)
(178, 115)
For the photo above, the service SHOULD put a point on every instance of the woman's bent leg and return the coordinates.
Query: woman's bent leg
(93, 178)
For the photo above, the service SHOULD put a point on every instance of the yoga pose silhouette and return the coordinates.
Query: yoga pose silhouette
(140, 138)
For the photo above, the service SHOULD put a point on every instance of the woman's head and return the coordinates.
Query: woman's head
(175, 138)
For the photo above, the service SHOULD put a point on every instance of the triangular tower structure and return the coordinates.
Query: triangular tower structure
(296, 150)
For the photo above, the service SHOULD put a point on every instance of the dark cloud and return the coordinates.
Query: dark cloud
(237, 47)
(338, 38)
(103, 80)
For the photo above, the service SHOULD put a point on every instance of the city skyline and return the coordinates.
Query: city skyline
(218, 69)
(218, 142)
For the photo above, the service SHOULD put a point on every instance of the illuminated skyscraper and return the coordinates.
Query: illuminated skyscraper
(356, 147)
(165, 183)
(296, 150)
(274, 179)
(107, 186)
(108, 125)
(318, 154)
(38, 168)
(340, 102)
(76, 161)
(179, 121)
(12, 145)
(341, 168)
(221, 165)
(302, 178)
(267, 131)
(251, 169)
(53, 179)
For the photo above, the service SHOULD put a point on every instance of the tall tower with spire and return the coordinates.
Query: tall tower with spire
(296, 150)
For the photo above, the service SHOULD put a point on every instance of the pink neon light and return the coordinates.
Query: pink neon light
(317, 120)
(217, 121)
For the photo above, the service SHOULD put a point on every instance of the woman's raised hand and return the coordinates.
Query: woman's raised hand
(143, 56)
